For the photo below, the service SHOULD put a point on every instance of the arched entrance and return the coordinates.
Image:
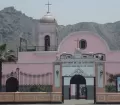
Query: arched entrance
(47, 42)
(12, 84)
(79, 83)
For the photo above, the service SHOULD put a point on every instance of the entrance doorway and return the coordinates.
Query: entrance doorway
(69, 91)
(78, 87)
(12, 85)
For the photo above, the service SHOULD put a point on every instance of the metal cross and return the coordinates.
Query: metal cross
(77, 42)
(48, 7)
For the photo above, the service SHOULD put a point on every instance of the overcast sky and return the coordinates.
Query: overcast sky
(69, 11)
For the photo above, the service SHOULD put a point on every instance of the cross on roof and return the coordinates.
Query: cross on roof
(48, 7)
(77, 42)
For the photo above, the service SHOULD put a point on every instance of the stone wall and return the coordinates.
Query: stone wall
(108, 97)
(30, 97)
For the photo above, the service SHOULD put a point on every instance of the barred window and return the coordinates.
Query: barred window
(82, 44)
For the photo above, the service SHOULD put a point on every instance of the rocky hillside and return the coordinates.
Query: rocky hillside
(14, 24)
(110, 31)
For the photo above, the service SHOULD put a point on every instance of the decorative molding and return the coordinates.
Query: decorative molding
(66, 56)
(57, 74)
(100, 71)
(12, 74)
(79, 55)
(78, 72)
(113, 97)
(101, 98)
(99, 56)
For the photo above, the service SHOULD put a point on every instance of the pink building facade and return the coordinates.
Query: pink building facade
(76, 54)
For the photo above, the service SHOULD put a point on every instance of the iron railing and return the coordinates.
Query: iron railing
(37, 48)
(26, 82)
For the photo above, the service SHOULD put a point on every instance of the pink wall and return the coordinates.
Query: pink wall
(28, 68)
(95, 44)
(46, 29)
(113, 56)
(111, 68)
(36, 57)
(36, 69)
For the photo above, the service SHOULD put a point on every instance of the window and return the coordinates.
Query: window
(83, 44)
(47, 42)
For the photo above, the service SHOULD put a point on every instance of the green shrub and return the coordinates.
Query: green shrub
(110, 88)
(34, 88)
(39, 88)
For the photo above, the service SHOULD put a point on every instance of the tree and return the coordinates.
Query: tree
(111, 86)
(5, 56)
(112, 77)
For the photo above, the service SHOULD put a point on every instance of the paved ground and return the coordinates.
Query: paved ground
(82, 102)
(69, 102)
(78, 102)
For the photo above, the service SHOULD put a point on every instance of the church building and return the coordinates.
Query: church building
(74, 67)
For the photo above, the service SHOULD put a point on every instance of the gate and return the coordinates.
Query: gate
(85, 91)
(25, 82)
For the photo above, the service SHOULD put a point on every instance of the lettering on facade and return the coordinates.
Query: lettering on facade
(78, 63)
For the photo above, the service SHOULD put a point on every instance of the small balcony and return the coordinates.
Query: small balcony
(37, 48)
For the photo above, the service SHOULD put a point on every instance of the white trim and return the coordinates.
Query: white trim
(39, 52)
(107, 61)
(30, 63)
(54, 62)
(45, 52)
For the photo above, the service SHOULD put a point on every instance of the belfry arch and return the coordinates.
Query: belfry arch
(47, 42)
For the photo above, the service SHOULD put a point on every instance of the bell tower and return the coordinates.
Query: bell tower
(47, 32)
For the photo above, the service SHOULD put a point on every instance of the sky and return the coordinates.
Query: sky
(69, 11)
